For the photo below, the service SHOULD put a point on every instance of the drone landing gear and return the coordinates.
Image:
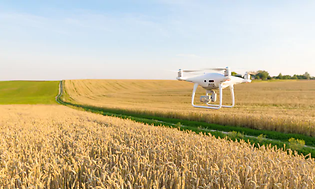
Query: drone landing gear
(212, 98)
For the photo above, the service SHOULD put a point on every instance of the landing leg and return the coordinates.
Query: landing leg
(208, 107)
(232, 94)
(193, 94)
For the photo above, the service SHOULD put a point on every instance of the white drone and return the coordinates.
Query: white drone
(211, 81)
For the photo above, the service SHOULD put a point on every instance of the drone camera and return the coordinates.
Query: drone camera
(208, 98)
(205, 99)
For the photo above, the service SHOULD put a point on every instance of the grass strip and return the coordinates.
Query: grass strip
(280, 140)
(310, 141)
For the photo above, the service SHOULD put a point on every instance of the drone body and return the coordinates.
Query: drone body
(211, 81)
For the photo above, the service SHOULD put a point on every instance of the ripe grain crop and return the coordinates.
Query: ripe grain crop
(50, 146)
(285, 106)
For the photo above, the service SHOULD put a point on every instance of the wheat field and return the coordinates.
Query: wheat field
(50, 146)
(285, 106)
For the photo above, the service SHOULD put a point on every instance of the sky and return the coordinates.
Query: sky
(152, 39)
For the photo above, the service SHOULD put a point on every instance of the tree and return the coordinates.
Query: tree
(294, 77)
(307, 75)
(279, 76)
(262, 74)
(286, 77)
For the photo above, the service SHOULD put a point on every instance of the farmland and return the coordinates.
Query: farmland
(53, 146)
(28, 92)
(285, 106)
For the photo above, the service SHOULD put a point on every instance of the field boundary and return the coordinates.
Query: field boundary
(59, 93)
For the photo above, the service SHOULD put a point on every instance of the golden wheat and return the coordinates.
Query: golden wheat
(58, 147)
(285, 106)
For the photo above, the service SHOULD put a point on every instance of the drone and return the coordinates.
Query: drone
(211, 81)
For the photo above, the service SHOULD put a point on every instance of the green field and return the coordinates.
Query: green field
(28, 92)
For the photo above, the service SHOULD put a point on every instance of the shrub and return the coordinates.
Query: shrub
(261, 138)
(234, 135)
(296, 144)
(178, 125)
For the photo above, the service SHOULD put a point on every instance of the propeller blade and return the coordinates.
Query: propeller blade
(215, 69)
(192, 70)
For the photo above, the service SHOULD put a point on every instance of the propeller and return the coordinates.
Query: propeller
(217, 69)
(227, 72)
(200, 70)
(193, 73)
(191, 70)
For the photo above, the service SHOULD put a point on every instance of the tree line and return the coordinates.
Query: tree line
(264, 75)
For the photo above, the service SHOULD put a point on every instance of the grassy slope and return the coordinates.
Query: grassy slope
(28, 92)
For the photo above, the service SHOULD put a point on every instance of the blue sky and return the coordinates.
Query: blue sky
(147, 39)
